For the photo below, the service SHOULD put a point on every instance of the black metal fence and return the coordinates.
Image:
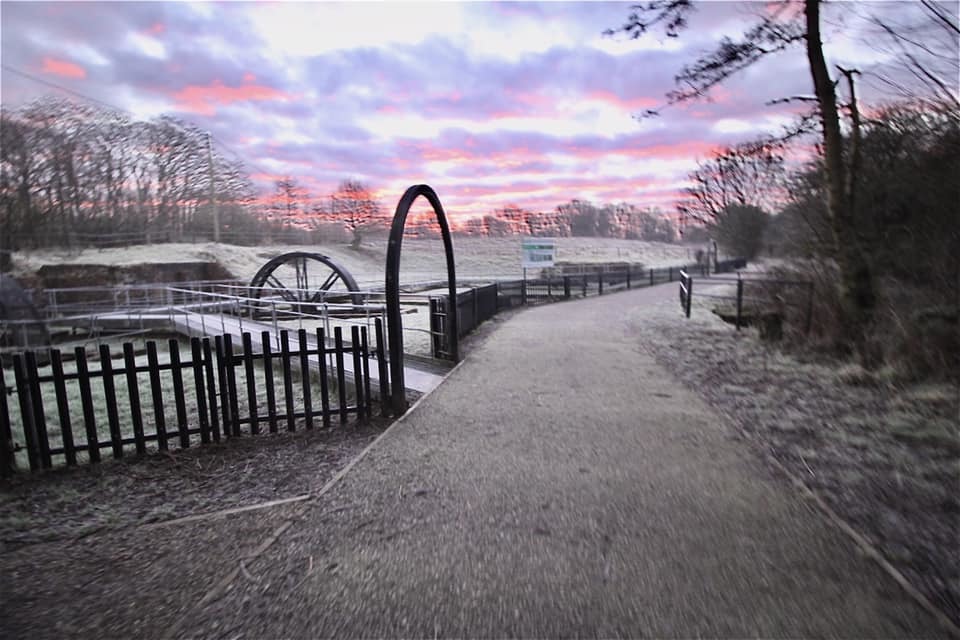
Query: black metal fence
(212, 393)
(752, 300)
(482, 303)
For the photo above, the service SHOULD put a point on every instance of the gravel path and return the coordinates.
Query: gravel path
(560, 483)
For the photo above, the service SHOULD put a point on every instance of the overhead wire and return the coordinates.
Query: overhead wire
(113, 107)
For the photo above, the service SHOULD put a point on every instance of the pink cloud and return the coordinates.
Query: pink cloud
(156, 29)
(628, 104)
(203, 100)
(63, 68)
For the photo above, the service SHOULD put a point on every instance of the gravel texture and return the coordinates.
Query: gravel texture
(886, 458)
(559, 483)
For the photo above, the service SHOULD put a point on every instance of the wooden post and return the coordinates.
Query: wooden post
(86, 401)
(39, 418)
(211, 389)
(232, 384)
(341, 379)
(110, 397)
(265, 339)
(156, 394)
(133, 393)
(365, 358)
(739, 299)
(287, 378)
(26, 412)
(196, 363)
(63, 406)
(382, 369)
(251, 382)
(358, 368)
(689, 294)
(176, 370)
(7, 455)
(324, 386)
(305, 377)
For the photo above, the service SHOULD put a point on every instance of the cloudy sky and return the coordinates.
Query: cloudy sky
(490, 103)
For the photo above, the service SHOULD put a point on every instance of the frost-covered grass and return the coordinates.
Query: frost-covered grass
(168, 392)
(421, 259)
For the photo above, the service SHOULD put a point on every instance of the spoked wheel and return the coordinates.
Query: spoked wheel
(303, 281)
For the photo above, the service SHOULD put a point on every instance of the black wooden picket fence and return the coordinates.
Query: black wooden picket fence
(214, 395)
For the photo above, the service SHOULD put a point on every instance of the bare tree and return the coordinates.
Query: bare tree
(745, 174)
(354, 206)
(787, 25)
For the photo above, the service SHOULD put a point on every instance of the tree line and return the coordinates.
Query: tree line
(872, 216)
(68, 169)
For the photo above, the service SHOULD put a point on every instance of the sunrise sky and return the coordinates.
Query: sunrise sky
(490, 103)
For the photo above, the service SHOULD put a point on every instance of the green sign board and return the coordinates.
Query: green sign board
(538, 252)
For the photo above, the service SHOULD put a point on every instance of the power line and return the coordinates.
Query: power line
(114, 107)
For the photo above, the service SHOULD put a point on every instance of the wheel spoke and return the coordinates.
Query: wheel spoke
(282, 289)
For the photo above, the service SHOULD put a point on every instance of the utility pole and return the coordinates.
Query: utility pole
(213, 198)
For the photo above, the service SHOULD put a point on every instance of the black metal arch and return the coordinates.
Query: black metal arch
(394, 317)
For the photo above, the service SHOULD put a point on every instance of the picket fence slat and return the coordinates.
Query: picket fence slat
(287, 379)
(324, 385)
(133, 392)
(214, 365)
(7, 460)
(178, 394)
(63, 407)
(39, 417)
(265, 340)
(382, 367)
(86, 402)
(251, 383)
(156, 394)
(196, 351)
(358, 367)
(365, 353)
(222, 379)
(341, 379)
(211, 389)
(26, 411)
(110, 399)
(232, 385)
(305, 377)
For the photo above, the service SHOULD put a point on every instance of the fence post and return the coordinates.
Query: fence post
(523, 289)
(566, 287)
(689, 294)
(628, 277)
(600, 283)
(739, 299)
(7, 454)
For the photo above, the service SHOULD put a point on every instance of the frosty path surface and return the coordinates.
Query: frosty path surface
(558, 484)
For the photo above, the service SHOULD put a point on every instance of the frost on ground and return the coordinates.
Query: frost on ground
(420, 258)
(885, 458)
(72, 503)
